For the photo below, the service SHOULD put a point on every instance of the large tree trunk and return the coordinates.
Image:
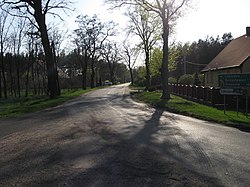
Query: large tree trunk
(84, 71)
(131, 76)
(92, 83)
(51, 69)
(148, 81)
(50, 61)
(111, 71)
(164, 68)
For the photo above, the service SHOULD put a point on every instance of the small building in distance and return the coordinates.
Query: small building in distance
(234, 58)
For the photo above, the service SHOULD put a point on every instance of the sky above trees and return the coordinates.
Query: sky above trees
(208, 18)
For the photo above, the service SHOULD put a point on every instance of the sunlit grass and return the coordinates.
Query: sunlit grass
(182, 106)
(16, 106)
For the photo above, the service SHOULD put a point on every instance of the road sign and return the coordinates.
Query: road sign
(230, 91)
(234, 84)
(234, 80)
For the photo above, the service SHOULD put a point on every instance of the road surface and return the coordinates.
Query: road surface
(105, 138)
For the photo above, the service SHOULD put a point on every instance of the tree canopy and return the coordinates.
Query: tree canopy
(169, 11)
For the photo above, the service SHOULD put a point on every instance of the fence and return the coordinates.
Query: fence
(205, 95)
(208, 96)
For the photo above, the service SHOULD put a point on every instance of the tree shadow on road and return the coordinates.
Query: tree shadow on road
(148, 158)
(138, 161)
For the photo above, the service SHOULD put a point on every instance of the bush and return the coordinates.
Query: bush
(139, 76)
(191, 79)
(155, 80)
(155, 88)
(172, 80)
(187, 79)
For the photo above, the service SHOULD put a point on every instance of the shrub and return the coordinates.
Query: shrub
(187, 79)
(172, 80)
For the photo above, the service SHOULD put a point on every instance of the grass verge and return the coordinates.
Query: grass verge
(13, 107)
(182, 106)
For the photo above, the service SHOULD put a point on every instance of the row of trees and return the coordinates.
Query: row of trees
(31, 58)
(153, 21)
(93, 48)
(36, 11)
(185, 60)
(167, 12)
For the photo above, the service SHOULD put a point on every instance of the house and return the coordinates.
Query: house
(234, 58)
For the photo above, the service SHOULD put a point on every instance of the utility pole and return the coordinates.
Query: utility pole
(185, 65)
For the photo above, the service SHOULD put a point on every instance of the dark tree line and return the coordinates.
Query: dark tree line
(25, 74)
(185, 60)
(195, 56)
(36, 12)
(24, 67)
(73, 74)
(89, 39)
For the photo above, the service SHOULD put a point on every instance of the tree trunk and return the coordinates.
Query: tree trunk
(45, 88)
(18, 76)
(9, 60)
(3, 74)
(51, 69)
(27, 81)
(97, 77)
(33, 78)
(148, 81)
(84, 78)
(84, 71)
(131, 76)
(56, 62)
(164, 68)
(111, 71)
(92, 84)
(38, 81)
(50, 61)
(29, 62)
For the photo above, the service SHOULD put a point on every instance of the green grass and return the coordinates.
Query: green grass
(182, 106)
(16, 106)
(136, 88)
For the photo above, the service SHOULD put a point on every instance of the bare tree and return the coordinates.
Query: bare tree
(57, 37)
(32, 40)
(145, 25)
(18, 37)
(90, 36)
(5, 26)
(111, 56)
(129, 56)
(169, 11)
(38, 9)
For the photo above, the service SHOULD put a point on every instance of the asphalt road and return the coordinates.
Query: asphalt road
(105, 138)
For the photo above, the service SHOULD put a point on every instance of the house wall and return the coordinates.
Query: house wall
(246, 66)
(211, 77)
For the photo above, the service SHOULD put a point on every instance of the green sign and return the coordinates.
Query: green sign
(234, 80)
